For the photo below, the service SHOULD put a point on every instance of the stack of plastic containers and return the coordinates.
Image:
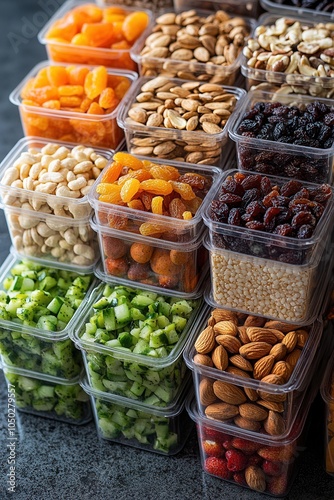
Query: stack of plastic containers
(39, 306)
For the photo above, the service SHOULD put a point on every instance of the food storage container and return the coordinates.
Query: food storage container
(49, 397)
(275, 155)
(132, 220)
(179, 58)
(134, 259)
(285, 88)
(132, 342)
(242, 8)
(321, 11)
(153, 5)
(94, 130)
(99, 52)
(52, 240)
(296, 68)
(261, 464)
(169, 141)
(327, 393)
(256, 380)
(38, 308)
(159, 430)
(46, 197)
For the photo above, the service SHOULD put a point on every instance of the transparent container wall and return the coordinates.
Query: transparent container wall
(153, 5)
(242, 8)
(37, 150)
(322, 11)
(285, 88)
(58, 401)
(53, 240)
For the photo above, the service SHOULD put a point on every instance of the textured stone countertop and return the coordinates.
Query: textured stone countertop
(58, 461)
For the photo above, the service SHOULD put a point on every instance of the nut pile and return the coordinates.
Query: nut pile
(181, 108)
(52, 238)
(53, 170)
(259, 466)
(255, 349)
(286, 89)
(292, 48)
(194, 47)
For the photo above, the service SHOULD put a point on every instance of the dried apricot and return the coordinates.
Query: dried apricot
(99, 34)
(134, 24)
(95, 82)
(140, 252)
(157, 186)
(95, 109)
(56, 76)
(129, 189)
(157, 204)
(107, 98)
(70, 90)
(77, 74)
(127, 160)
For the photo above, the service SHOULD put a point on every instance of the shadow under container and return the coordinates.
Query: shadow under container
(122, 421)
(50, 397)
(248, 404)
(35, 349)
(284, 9)
(51, 240)
(309, 80)
(267, 274)
(61, 51)
(205, 72)
(70, 126)
(137, 376)
(327, 393)
(172, 143)
(264, 465)
(166, 228)
(76, 208)
(281, 158)
(135, 259)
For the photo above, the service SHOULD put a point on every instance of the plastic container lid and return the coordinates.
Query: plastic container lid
(291, 10)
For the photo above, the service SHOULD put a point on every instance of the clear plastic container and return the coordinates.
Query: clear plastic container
(132, 373)
(254, 75)
(264, 287)
(70, 126)
(83, 54)
(171, 228)
(49, 397)
(146, 427)
(282, 9)
(171, 143)
(263, 465)
(285, 88)
(280, 158)
(34, 348)
(241, 8)
(77, 208)
(51, 240)
(188, 70)
(136, 259)
(247, 404)
(154, 5)
(327, 393)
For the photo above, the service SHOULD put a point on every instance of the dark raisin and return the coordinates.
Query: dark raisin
(267, 200)
(284, 215)
(248, 126)
(321, 194)
(250, 195)
(256, 225)
(280, 201)
(302, 218)
(270, 214)
(265, 168)
(234, 217)
(317, 210)
(251, 181)
(302, 193)
(265, 185)
(230, 185)
(284, 230)
(230, 199)
(291, 257)
(291, 187)
(304, 232)
(219, 211)
(329, 119)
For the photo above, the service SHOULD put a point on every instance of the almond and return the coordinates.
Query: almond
(293, 357)
(206, 394)
(283, 369)
(274, 424)
(206, 341)
(221, 411)
(290, 340)
(243, 334)
(302, 337)
(203, 359)
(231, 344)
(255, 478)
(271, 405)
(273, 379)
(211, 128)
(223, 315)
(253, 412)
(220, 357)
(245, 423)
(211, 321)
(278, 334)
(229, 393)
(241, 362)
(263, 366)
(254, 321)
(280, 325)
(225, 328)
(255, 350)
(251, 394)
(256, 334)
(272, 396)
(278, 351)
(236, 371)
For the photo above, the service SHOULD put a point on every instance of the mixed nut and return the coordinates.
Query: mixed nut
(251, 348)
(192, 46)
